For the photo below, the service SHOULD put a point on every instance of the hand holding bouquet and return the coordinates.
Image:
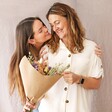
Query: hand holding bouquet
(38, 78)
(45, 69)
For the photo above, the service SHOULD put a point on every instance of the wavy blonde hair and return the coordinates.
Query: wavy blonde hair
(76, 32)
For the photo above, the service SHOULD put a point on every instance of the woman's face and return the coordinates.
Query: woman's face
(59, 25)
(41, 33)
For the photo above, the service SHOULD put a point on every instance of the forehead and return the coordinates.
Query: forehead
(53, 17)
(37, 25)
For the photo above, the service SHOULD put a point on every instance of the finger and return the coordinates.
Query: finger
(44, 54)
(68, 81)
(44, 63)
(27, 99)
(32, 99)
(25, 108)
(98, 53)
(42, 49)
(98, 46)
(66, 73)
(30, 105)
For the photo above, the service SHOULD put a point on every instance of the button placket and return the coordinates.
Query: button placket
(67, 101)
(69, 55)
(66, 88)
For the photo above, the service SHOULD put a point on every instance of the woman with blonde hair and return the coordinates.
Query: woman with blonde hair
(69, 45)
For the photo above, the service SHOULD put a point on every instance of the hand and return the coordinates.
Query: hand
(70, 77)
(29, 105)
(43, 53)
(98, 51)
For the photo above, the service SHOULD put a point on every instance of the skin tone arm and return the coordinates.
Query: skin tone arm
(89, 82)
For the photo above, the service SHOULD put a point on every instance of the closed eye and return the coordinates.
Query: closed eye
(41, 29)
(57, 22)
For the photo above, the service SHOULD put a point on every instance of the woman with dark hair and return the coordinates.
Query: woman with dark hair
(31, 35)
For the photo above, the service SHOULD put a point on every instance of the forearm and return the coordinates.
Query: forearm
(86, 82)
(91, 83)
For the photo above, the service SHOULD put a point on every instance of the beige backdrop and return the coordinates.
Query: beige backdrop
(96, 16)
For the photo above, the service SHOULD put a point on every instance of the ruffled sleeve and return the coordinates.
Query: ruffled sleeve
(96, 67)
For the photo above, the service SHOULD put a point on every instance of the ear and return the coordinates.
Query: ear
(31, 41)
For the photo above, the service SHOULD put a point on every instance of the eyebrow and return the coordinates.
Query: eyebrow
(40, 28)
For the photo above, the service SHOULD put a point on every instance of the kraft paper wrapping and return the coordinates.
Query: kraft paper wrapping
(35, 84)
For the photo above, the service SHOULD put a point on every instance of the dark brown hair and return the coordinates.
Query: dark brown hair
(24, 31)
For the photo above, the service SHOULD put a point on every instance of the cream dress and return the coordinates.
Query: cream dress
(63, 97)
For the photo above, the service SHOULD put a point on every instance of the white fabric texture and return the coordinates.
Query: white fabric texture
(85, 64)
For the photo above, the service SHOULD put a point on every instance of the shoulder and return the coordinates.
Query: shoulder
(89, 44)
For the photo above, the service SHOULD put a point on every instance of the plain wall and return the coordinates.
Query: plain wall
(96, 17)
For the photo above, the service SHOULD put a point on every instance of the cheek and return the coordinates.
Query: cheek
(65, 28)
(42, 38)
(39, 38)
(65, 31)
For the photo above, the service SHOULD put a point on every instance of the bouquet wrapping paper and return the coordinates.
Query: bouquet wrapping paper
(35, 84)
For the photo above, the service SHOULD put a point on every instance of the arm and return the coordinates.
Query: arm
(88, 83)
(91, 83)
(93, 79)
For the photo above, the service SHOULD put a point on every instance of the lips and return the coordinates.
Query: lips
(47, 34)
(58, 31)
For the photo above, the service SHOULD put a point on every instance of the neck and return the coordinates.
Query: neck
(64, 40)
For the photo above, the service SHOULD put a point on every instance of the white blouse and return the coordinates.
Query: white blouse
(63, 97)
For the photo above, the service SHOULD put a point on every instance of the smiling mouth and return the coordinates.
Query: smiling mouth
(57, 32)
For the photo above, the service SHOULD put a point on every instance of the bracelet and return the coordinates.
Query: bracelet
(81, 81)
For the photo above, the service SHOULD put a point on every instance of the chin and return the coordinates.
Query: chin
(61, 37)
